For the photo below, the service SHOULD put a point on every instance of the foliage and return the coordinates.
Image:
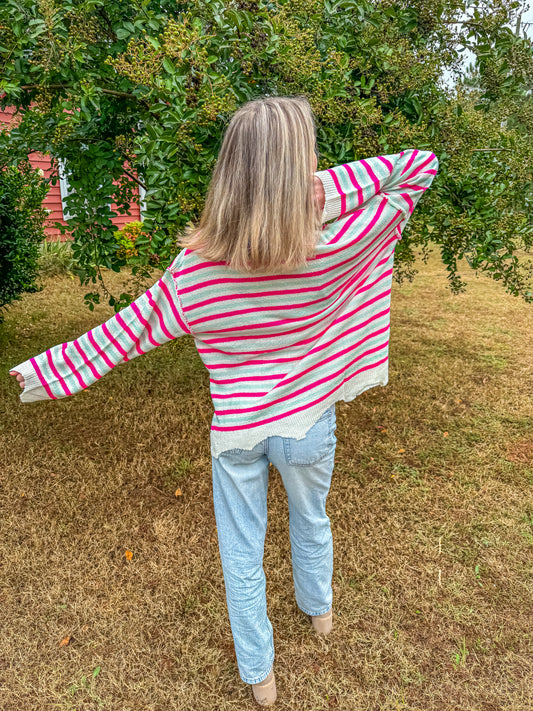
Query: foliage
(140, 92)
(129, 239)
(22, 191)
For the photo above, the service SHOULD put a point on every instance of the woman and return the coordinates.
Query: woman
(285, 287)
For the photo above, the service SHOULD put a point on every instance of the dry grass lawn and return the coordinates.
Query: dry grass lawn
(431, 509)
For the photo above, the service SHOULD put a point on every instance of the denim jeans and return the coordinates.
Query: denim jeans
(240, 483)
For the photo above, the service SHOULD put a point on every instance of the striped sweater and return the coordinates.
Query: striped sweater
(280, 349)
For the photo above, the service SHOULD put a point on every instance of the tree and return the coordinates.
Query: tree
(149, 85)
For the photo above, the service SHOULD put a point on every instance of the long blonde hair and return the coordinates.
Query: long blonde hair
(260, 213)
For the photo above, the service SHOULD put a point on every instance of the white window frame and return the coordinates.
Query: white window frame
(142, 201)
(64, 187)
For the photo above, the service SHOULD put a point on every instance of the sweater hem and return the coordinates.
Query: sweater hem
(297, 426)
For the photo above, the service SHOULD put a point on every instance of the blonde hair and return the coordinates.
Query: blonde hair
(260, 213)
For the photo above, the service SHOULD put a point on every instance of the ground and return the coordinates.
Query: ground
(111, 587)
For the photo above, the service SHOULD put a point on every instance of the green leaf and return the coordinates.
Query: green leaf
(169, 65)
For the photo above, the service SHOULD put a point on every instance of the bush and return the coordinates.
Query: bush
(129, 238)
(22, 191)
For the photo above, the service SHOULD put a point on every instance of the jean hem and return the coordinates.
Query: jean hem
(261, 677)
(314, 614)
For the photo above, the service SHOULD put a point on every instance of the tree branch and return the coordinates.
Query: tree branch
(110, 92)
(490, 149)
(139, 182)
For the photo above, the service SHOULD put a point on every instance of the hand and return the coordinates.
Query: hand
(320, 195)
(19, 377)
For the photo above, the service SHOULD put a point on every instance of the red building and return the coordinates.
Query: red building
(54, 201)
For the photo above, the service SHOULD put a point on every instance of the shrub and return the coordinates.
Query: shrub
(126, 238)
(129, 238)
(22, 191)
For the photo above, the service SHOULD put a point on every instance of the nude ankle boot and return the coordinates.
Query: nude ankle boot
(265, 691)
(323, 623)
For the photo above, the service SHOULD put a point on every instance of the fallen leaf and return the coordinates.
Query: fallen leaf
(64, 642)
(445, 434)
(178, 492)
(401, 451)
(129, 555)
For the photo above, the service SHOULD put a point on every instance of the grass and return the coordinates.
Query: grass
(55, 259)
(431, 512)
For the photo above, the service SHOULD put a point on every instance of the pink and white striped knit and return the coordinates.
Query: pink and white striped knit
(280, 349)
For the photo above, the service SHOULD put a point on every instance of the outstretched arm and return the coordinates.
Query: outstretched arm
(151, 320)
(402, 178)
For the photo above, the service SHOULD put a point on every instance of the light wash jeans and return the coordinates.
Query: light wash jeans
(240, 483)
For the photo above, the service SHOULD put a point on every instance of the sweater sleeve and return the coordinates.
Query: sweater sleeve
(154, 318)
(402, 178)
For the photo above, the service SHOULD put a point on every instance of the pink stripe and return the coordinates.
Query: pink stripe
(339, 190)
(307, 387)
(55, 372)
(371, 175)
(196, 267)
(387, 163)
(159, 315)
(348, 245)
(420, 167)
(302, 407)
(410, 161)
(70, 364)
(232, 395)
(41, 378)
(356, 185)
(371, 224)
(114, 342)
(87, 362)
(409, 201)
(216, 366)
(175, 311)
(132, 336)
(413, 187)
(145, 323)
(99, 350)
(346, 227)
(346, 287)
(228, 381)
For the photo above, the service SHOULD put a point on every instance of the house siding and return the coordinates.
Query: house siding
(52, 201)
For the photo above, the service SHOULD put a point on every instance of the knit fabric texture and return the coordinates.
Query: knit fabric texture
(280, 349)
